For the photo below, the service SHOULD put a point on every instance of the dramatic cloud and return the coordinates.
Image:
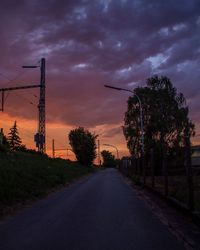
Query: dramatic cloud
(90, 43)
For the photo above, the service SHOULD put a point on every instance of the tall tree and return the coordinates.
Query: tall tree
(83, 144)
(108, 159)
(13, 138)
(165, 117)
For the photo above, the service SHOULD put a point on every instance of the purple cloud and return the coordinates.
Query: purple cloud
(90, 43)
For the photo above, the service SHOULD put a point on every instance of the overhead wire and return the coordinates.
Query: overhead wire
(24, 134)
(26, 99)
(2, 75)
(15, 78)
(27, 133)
(11, 80)
(17, 84)
(20, 95)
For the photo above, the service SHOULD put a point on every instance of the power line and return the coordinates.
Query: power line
(26, 99)
(5, 77)
(11, 80)
(15, 78)
(40, 136)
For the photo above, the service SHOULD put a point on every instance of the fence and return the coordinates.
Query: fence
(180, 184)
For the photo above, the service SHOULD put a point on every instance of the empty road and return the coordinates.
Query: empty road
(100, 212)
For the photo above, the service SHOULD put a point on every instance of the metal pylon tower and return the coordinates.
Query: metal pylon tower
(41, 109)
(40, 135)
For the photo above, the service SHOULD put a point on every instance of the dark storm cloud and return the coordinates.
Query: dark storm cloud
(90, 43)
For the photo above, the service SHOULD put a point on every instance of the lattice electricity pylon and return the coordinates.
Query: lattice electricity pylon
(40, 135)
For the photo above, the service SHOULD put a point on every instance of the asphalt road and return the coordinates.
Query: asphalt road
(99, 212)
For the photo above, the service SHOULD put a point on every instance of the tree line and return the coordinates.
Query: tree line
(82, 141)
(166, 125)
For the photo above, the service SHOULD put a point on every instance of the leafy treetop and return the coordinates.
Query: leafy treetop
(83, 144)
(108, 159)
(165, 117)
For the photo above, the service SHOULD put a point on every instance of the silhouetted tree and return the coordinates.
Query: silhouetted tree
(108, 159)
(83, 144)
(13, 138)
(165, 117)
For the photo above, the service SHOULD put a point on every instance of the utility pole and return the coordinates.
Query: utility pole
(53, 148)
(41, 108)
(41, 134)
(99, 156)
(1, 136)
(58, 149)
(2, 90)
(39, 137)
(2, 100)
(189, 171)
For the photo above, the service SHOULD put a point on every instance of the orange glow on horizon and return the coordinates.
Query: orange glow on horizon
(59, 132)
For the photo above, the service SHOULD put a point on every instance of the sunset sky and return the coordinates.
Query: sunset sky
(87, 44)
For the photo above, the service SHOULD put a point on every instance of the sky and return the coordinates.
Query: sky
(89, 43)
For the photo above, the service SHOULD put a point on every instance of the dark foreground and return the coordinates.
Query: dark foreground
(100, 212)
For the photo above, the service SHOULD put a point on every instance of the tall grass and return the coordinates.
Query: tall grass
(25, 176)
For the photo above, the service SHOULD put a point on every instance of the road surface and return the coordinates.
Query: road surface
(100, 212)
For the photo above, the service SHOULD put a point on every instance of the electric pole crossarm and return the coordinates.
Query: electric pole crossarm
(3, 90)
(20, 87)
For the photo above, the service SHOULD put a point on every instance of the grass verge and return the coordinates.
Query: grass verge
(24, 176)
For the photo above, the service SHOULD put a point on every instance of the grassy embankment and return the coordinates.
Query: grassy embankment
(25, 176)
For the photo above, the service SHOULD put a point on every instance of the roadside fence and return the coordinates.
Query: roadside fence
(179, 184)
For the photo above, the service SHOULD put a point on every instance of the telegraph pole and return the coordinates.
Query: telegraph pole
(58, 149)
(41, 108)
(53, 148)
(1, 136)
(99, 156)
(40, 135)
(14, 88)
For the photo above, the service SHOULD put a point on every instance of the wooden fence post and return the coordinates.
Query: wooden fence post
(189, 170)
(143, 169)
(165, 171)
(152, 169)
